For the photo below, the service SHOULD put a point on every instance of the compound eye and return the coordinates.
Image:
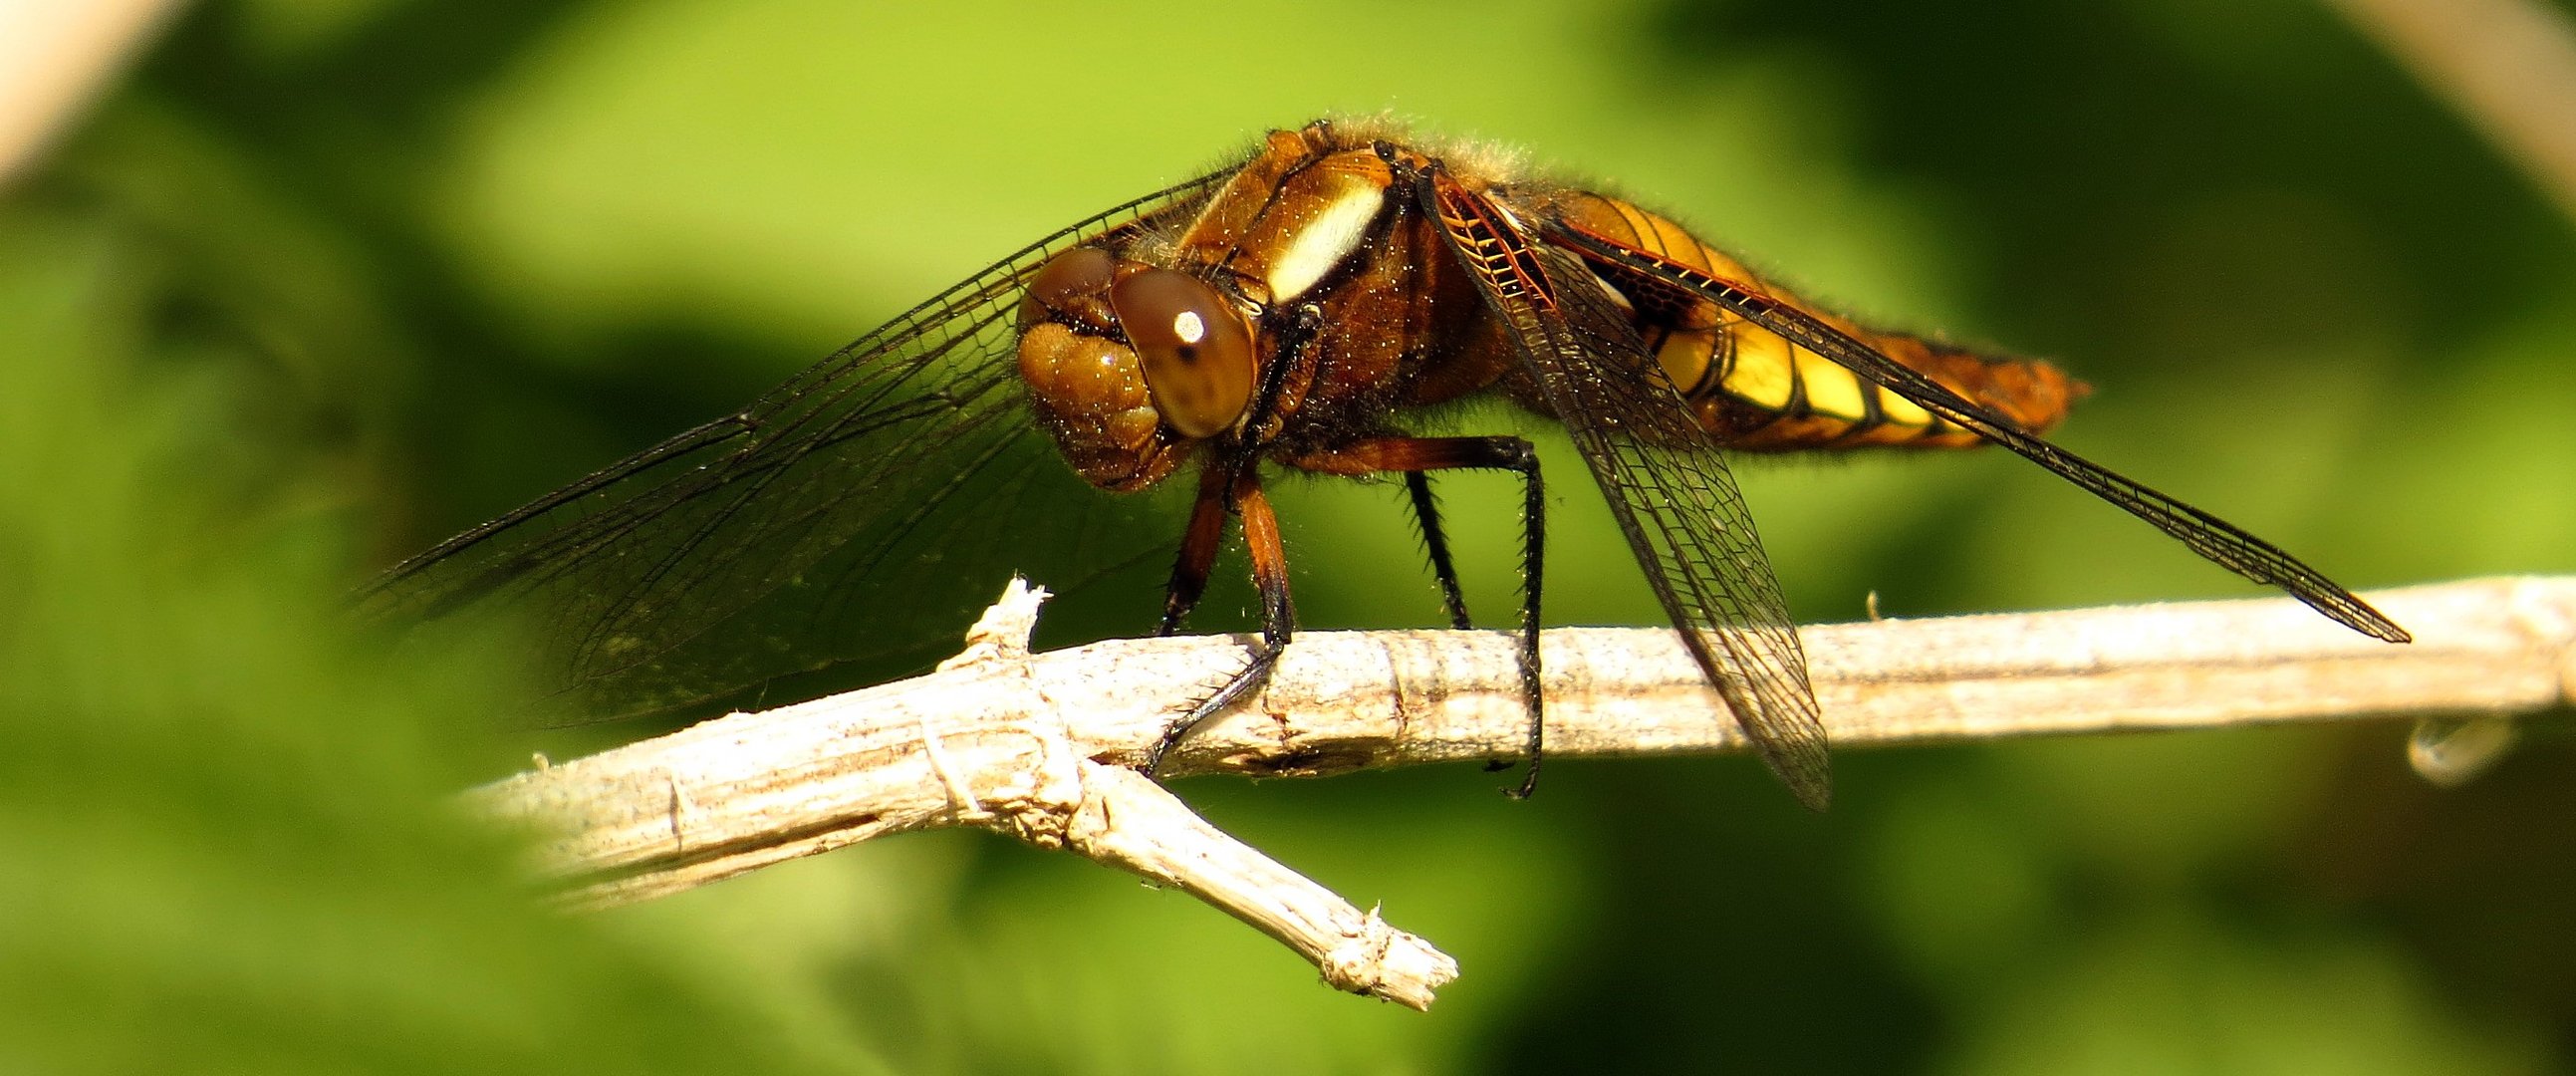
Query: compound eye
(1074, 274)
(1196, 351)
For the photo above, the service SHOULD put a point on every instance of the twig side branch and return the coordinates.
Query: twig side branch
(1038, 745)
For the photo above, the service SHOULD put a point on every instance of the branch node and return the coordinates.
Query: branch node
(1002, 633)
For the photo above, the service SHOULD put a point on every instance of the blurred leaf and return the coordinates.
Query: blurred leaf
(232, 834)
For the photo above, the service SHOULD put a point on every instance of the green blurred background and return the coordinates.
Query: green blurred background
(319, 282)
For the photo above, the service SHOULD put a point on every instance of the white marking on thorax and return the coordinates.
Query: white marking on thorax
(1324, 241)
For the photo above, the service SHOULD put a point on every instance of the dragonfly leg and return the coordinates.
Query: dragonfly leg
(1207, 517)
(1235, 484)
(1415, 455)
(1278, 616)
(1426, 511)
(1533, 570)
(1198, 551)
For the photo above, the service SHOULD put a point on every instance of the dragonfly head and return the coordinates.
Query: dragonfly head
(1127, 364)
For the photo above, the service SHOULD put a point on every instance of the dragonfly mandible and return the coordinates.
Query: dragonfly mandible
(1296, 310)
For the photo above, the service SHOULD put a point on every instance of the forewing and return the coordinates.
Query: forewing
(822, 523)
(1664, 479)
(2211, 537)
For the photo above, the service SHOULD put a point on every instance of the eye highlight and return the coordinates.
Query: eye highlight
(1196, 352)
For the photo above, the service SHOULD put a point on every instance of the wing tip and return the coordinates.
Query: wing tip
(1815, 792)
(2360, 616)
(2377, 625)
(1809, 775)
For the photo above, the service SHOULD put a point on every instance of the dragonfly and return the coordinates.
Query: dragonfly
(1302, 309)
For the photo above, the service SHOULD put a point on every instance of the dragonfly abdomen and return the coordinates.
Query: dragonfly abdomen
(1759, 392)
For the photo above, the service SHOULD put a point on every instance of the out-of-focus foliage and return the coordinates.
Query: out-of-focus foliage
(320, 283)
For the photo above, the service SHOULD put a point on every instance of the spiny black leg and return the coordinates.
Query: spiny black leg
(1413, 455)
(1278, 616)
(1254, 673)
(1427, 512)
(1533, 571)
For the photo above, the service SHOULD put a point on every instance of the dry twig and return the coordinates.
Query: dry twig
(1039, 746)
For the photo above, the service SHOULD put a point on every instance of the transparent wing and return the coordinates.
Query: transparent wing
(819, 524)
(1666, 483)
(2216, 539)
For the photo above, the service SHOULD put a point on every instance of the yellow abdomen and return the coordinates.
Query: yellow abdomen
(1758, 392)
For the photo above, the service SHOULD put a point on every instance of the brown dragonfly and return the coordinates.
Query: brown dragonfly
(1302, 309)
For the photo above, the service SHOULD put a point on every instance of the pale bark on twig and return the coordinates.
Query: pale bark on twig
(1039, 746)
